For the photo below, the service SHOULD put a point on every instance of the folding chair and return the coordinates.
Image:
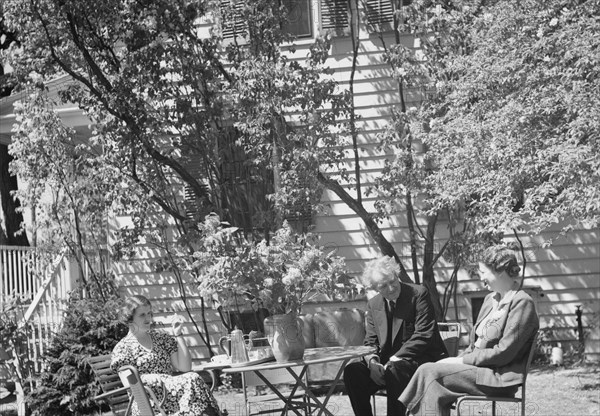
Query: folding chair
(114, 393)
(495, 399)
(450, 333)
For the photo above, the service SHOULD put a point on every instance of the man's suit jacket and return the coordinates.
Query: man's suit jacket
(502, 353)
(415, 334)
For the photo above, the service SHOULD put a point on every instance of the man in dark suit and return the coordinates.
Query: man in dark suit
(400, 323)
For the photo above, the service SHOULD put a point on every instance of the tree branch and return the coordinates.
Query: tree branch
(386, 248)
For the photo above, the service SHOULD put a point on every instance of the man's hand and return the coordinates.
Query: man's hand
(393, 359)
(377, 372)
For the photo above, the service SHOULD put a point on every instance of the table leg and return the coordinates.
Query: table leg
(332, 388)
(287, 400)
(321, 405)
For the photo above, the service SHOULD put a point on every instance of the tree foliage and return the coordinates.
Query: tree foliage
(510, 121)
(519, 141)
(507, 119)
(11, 231)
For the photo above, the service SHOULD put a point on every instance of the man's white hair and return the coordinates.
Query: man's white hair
(385, 266)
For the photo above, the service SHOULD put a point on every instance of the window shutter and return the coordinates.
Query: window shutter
(232, 23)
(334, 15)
(193, 164)
(380, 13)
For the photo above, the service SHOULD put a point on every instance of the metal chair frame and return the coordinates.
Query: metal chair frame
(450, 335)
(495, 399)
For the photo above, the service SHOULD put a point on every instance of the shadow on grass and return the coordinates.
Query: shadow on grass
(574, 370)
(590, 386)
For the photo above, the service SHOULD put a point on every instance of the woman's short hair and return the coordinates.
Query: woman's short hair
(385, 266)
(500, 258)
(130, 305)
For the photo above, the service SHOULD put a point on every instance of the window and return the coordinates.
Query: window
(244, 187)
(306, 15)
(303, 17)
(300, 18)
(239, 191)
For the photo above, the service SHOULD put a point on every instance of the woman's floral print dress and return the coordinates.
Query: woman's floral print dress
(187, 394)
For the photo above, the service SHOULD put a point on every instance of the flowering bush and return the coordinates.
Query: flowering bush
(280, 274)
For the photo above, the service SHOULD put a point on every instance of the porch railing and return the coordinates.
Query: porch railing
(43, 287)
(44, 315)
(20, 271)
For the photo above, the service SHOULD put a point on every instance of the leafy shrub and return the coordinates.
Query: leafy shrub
(67, 385)
(14, 352)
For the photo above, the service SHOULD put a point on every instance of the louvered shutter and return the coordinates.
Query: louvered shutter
(380, 13)
(232, 25)
(193, 164)
(334, 15)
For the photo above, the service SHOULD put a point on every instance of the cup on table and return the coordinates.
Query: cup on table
(220, 359)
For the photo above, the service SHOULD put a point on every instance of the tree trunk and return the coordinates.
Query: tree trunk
(428, 262)
(384, 245)
(12, 218)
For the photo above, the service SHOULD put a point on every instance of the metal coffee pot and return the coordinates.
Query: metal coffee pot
(238, 346)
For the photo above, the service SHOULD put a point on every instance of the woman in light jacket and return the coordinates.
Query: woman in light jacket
(495, 361)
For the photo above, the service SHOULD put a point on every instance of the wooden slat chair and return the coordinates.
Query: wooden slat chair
(142, 394)
(450, 333)
(113, 391)
(495, 399)
(116, 388)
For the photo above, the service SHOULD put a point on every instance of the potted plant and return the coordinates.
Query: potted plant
(279, 275)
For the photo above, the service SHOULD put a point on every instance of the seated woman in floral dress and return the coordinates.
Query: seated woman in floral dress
(156, 355)
(495, 361)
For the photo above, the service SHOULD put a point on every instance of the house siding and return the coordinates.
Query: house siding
(567, 272)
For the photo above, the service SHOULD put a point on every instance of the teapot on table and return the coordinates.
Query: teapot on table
(248, 347)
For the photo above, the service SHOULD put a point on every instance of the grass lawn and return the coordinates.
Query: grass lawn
(550, 391)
